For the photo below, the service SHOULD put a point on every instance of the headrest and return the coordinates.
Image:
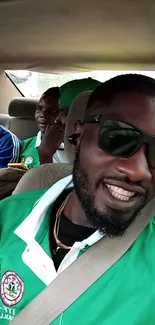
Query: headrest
(76, 112)
(23, 107)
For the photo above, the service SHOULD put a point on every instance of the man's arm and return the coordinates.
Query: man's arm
(9, 149)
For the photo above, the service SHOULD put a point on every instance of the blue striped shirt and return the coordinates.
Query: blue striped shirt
(9, 147)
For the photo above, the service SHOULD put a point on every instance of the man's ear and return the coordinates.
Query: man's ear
(76, 136)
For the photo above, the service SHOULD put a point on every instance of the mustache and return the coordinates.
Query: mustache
(125, 179)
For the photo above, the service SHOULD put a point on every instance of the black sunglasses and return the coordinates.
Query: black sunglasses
(122, 139)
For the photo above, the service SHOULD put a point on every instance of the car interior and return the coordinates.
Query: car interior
(63, 39)
(52, 42)
(66, 38)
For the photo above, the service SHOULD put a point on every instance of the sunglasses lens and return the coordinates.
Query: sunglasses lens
(118, 139)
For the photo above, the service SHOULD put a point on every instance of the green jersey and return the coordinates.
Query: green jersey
(29, 152)
(125, 294)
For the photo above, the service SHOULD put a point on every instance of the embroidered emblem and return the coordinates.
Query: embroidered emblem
(12, 288)
(29, 160)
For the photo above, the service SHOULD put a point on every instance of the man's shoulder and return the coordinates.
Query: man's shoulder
(27, 143)
(24, 196)
(29, 140)
(14, 209)
(5, 133)
(3, 129)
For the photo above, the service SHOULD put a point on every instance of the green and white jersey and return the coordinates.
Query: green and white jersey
(29, 152)
(125, 294)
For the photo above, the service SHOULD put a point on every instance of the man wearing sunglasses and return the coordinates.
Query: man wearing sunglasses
(113, 179)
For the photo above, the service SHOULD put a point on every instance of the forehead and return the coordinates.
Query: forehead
(134, 108)
(48, 100)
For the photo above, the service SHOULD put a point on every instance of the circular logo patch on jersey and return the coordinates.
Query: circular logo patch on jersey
(29, 160)
(12, 288)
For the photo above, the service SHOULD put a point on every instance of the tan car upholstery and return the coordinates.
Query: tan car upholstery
(5, 120)
(42, 177)
(22, 121)
(55, 36)
(46, 175)
(76, 112)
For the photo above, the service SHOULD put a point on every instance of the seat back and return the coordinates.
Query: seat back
(42, 177)
(5, 120)
(22, 120)
(76, 113)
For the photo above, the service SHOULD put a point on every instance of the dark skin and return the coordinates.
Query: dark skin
(50, 123)
(132, 174)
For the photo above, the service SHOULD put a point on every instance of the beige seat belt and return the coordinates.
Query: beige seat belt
(80, 275)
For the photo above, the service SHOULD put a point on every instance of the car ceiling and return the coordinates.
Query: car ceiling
(77, 35)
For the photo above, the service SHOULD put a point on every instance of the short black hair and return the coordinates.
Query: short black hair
(122, 83)
(53, 92)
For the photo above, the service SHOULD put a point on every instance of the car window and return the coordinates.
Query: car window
(33, 84)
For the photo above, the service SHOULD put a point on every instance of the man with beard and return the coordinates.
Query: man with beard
(113, 179)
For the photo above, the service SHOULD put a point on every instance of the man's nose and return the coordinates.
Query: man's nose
(42, 110)
(136, 167)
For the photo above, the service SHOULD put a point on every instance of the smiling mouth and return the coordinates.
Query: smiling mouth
(42, 124)
(119, 193)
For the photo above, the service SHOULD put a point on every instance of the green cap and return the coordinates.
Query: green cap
(71, 89)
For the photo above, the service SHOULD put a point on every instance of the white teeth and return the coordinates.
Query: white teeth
(120, 193)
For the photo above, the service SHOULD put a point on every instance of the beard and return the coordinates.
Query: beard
(111, 222)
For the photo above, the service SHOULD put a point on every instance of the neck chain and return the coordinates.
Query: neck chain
(57, 224)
